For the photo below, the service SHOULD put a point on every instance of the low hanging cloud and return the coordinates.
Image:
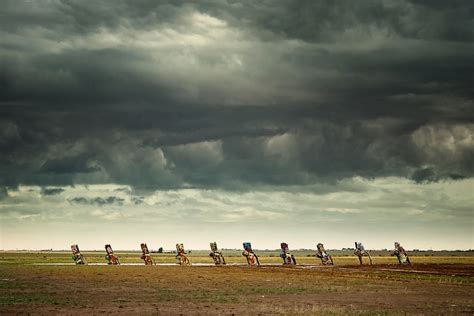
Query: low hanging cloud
(100, 201)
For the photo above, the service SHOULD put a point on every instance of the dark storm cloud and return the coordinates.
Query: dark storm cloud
(325, 20)
(233, 94)
(78, 164)
(428, 175)
(3, 193)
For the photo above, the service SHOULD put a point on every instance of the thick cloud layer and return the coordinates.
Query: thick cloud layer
(235, 94)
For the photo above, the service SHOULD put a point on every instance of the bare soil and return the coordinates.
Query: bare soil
(173, 290)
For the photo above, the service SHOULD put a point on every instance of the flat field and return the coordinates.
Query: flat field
(44, 283)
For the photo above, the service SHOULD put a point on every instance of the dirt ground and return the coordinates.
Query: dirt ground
(173, 290)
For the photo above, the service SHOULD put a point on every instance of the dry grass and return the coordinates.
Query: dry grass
(432, 285)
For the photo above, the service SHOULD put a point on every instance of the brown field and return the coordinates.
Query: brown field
(432, 285)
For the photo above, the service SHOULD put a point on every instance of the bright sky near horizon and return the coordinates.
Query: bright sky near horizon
(378, 212)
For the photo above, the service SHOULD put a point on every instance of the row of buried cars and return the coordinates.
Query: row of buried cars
(248, 253)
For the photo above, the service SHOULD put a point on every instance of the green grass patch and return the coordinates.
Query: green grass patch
(32, 298)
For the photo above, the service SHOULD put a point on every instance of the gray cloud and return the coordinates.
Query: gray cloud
(100, 201)
(235, 94)
(63, 165)
(3, 193)
(52, 191)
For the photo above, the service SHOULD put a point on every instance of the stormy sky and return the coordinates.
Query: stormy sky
(268, 121)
